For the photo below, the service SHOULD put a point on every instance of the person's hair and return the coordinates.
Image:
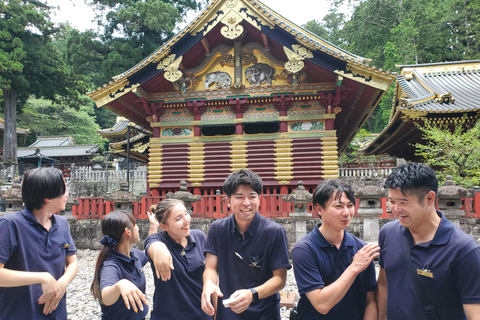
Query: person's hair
(332, 189)
(113, 225)
(164, 208)
(242, 177)
(40, 184)
(413, 178)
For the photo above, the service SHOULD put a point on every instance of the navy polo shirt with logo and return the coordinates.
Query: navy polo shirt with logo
(180, 297)
(452, 258)
(25, 245)
(317, 263)
(115, 268)
(247, 263)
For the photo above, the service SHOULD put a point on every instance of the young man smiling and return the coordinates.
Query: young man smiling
(246, 256)
(334, 270)
(424, 252)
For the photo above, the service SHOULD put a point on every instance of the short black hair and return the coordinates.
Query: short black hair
(242, 177)
(332, 187)
(414, 178)
(40, 184)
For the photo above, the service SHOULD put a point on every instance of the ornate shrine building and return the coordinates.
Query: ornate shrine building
(243, 87)
(436, 92)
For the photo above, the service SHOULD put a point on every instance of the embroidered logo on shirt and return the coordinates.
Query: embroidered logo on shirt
(254, 261)
(66, 245)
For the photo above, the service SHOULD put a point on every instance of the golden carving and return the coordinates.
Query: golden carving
(140, 148)
(294, 63)
(166, 62)
(284, 182)
(172, 73)
(337, 110)
(232, 28)
(231, 3)
(196, 184)
(304, 52)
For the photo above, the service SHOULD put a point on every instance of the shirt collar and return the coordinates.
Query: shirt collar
(252, 228)
(175, 244)
(28, 215)
(347, 241)
(123, 258)
(442, 235)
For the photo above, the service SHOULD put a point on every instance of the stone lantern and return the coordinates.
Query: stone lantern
(450, 200)
(187, 197)
(300, 198)
(370, 208)
(123, 199)
(13, 197)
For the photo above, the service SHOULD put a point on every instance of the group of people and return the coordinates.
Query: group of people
(428, 267)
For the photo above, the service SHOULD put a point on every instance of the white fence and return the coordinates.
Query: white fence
(365, 172)
(89, 174)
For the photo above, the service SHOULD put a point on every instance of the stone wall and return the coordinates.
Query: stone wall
(87, 232)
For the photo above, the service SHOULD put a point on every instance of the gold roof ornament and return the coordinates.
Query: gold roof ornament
(172, 73)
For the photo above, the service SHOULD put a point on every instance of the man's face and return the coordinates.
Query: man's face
(336, 213)
(244, 203)
(410, 211)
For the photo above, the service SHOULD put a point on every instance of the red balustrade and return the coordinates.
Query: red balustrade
(214, 206)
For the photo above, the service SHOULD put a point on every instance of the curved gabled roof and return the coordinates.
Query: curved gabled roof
(441, 91)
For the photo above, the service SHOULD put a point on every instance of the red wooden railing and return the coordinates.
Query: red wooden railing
(214, 206)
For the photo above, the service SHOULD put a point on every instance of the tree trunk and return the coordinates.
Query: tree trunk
(10, 130)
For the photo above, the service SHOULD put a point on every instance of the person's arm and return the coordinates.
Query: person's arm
(132, 296)
(69, 274)
(472, 311)
(14, 278)
(162, 260)
(153, 223)
(244, 297)
(324, 299)
(210, 287)
(371, 307)
(382, 295)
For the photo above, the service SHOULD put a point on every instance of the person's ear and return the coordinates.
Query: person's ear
(318, 208)
(430, 197)
(227, 201)
(127, 232)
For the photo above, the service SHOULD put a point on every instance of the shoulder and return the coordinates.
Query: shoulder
(356, 241)
(220, 224)
(306, 243)
(390, 226)
(460, 239)
(197, 234)
(269, 225)
(12, 217)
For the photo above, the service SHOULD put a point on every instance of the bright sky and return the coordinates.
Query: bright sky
(298, 11)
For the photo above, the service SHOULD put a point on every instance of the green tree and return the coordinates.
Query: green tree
(30, 64)
(453, 151)
(45, 118)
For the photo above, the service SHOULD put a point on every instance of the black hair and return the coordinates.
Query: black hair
(242, 177)
(164, 208)
(40, 184)
(414, 178)
(113, 225)
(327, 189)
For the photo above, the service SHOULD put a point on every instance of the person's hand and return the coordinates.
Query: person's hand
(52, 304)
(364, 257)
(209, 289)
(132, 296)
(243, 299)
(50, 291)
(152, 219)
(163, 262)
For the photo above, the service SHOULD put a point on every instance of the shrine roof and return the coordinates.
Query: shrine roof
(438, 92)
(62, 151)
(53, 141)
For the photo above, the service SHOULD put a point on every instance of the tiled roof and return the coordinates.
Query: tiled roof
(53, 141)
(56, 152)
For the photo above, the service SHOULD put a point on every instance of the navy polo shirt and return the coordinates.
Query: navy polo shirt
(180, 297)
(452, 256)
(117, 267)
(317, 263)
(25, 245)
(247, 263)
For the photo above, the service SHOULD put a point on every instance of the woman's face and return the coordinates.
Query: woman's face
(177, 224)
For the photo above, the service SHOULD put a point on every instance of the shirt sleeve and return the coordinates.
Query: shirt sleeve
(109, 275)
(280, 257)
(211, 244)
(467, 277)
(371, 277)
(8, 241)
(70, 251)
(381, 241)
(149, 241)
(305, 269)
